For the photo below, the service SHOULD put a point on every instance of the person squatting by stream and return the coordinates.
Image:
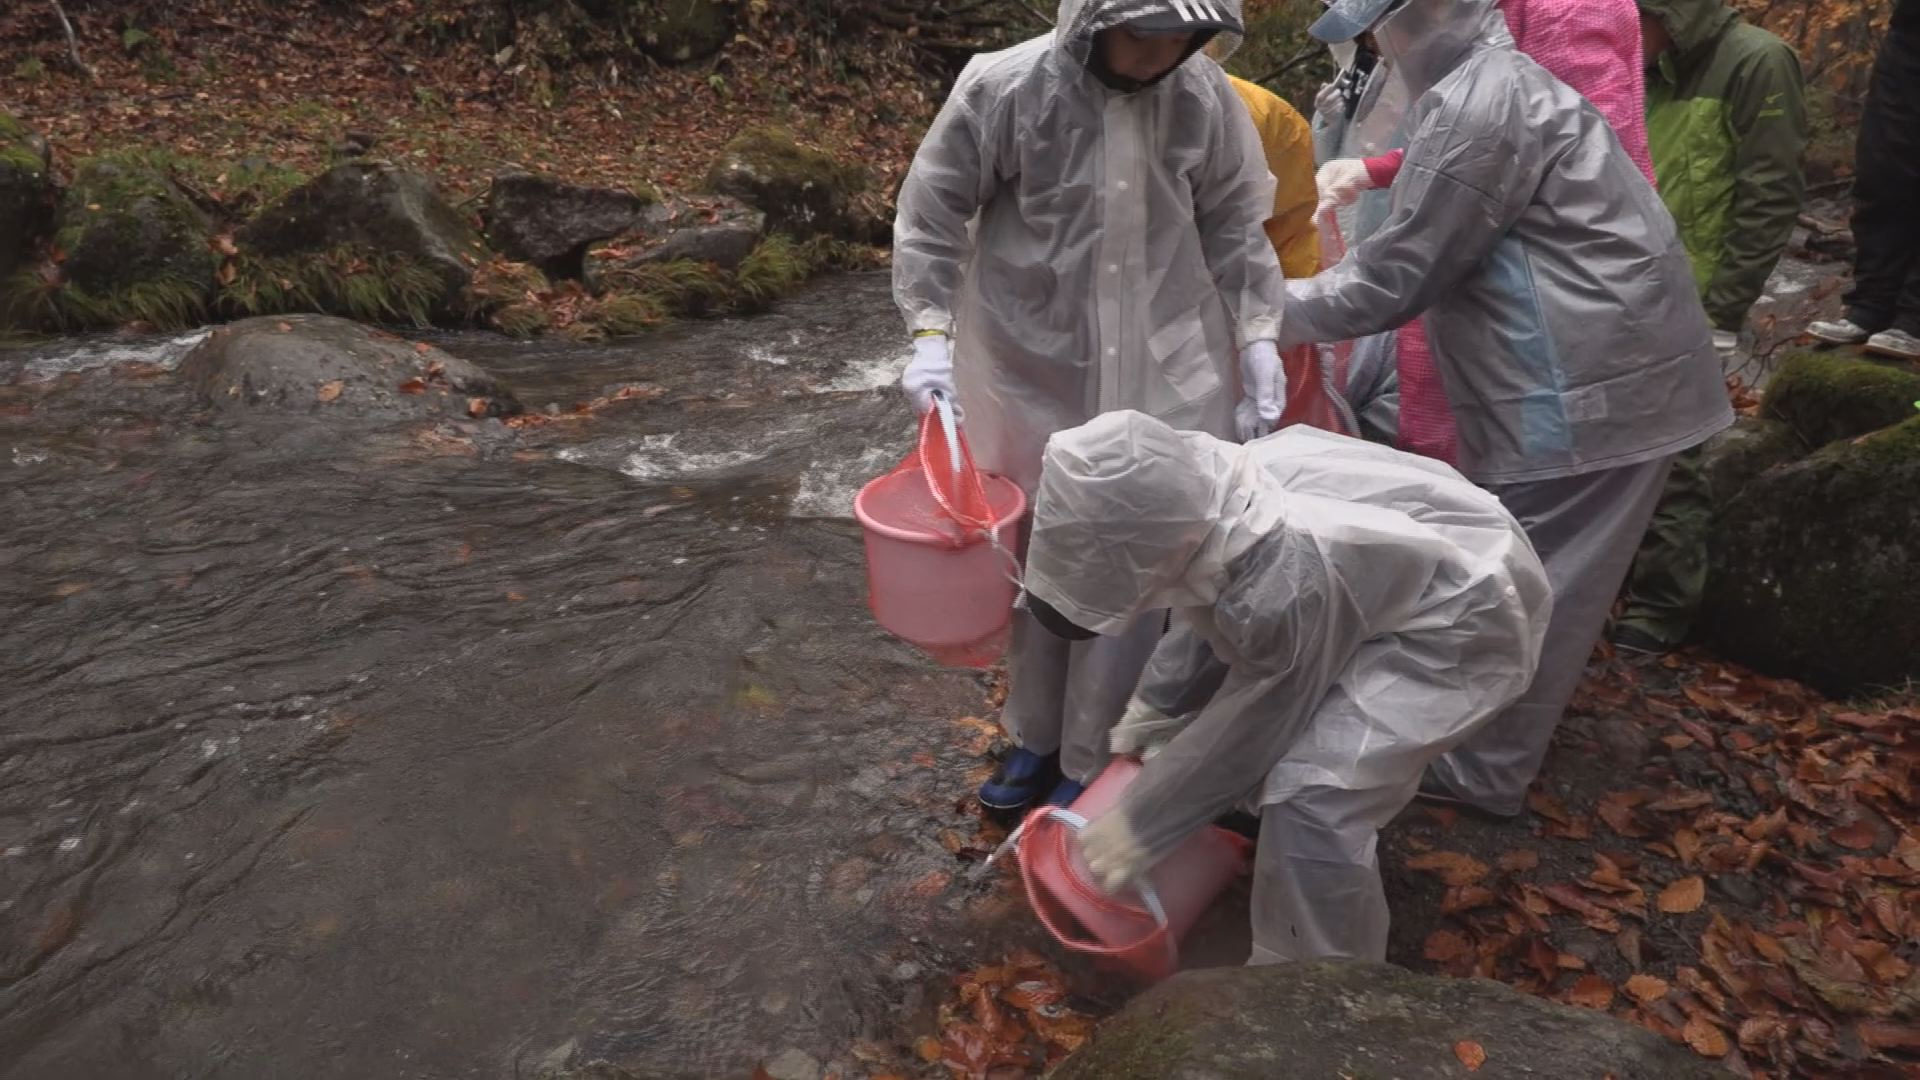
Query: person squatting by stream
(1080, 237)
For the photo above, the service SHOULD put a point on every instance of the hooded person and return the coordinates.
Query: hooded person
(1345, 612)
(1727, 113)
(1560, 308)
(1591, 45)
(1082, 230)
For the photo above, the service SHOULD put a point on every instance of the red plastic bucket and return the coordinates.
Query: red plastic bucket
(940, 537)
(1139, 935)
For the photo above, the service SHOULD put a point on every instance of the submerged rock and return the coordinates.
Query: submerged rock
(803, 191)
(134, 240)
(375, 207)
(1816, 565)
(1366, 1021)
(28, 195)
(316, 363)
(539, 220)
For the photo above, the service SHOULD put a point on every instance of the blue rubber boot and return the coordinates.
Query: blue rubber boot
(1021, 779)
(1065, 792)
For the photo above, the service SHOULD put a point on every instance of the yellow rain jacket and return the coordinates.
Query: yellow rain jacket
(1288, 142)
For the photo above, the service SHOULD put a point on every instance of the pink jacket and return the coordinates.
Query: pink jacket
(1592, 46)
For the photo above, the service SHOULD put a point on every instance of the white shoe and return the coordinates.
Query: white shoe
(1840, 332)
(1895, 343)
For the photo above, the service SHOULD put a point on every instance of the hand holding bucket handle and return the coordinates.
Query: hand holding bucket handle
(1043, 909)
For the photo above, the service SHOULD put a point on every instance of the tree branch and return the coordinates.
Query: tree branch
(73, 44)
(1293, 61)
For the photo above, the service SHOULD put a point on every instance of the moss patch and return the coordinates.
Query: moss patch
(125, 223)
(1825, 397)
(356, 282)
(802, 191)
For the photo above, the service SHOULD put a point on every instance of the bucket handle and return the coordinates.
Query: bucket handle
(1148, 895)
(948, 427)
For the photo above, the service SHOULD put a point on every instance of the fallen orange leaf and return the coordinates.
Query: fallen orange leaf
(1680, 800)
(330, 391)
(1471, 1054)
(422, 348)
(1454, 868)
(1592, 992)
(1520, 859)
(1683, 896)
(1858, 836)
(414, 386)
(1706, 1039)
(928, 1048)
(1446, 946)
(1646, 989)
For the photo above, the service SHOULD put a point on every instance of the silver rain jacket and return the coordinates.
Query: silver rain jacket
(1319, 580)
(1558, 297)
(1116, 256)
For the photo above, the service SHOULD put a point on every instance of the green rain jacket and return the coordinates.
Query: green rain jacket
(1727, 123)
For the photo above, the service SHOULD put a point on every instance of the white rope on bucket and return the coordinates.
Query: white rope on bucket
(1148, 895)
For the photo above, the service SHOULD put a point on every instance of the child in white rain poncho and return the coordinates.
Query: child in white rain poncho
(1082, 231)
(1345, 613)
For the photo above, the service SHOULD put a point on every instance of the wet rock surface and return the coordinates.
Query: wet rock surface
(315, 363)
(28, 195)
(543, 221)
(1338, 1018)
(359, 745)
(802, 191)
(373, 206)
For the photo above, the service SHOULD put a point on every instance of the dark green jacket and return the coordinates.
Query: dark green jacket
(1727, 123)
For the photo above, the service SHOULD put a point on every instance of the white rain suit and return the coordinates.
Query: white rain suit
(1087, 250)
(1345, 613)
(1561, 311)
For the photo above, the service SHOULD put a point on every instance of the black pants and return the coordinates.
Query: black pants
(1886, 190)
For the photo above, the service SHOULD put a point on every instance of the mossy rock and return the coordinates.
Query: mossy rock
(28, 193)
(679, 31)
(127, 230)
(377, 207)
(321, 364)
(802, 191)
(1816, 566)
(1363, 1021)
(1826, 396)
(1750, 447)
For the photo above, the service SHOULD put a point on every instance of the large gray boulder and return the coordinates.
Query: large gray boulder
(135, 245)
(803, 191)
(1365, 1022)
(373, 207)
(722, 232)
(539, 220)
(28, 194)
(1816, 565)
(317, 363)
(1737, 456)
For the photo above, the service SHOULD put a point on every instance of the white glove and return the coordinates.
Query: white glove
(1142, 730)
(1330, 98)
(1114, 856)
(1341, 182)
(1263, 386)
(930, 371)
(1725, 342)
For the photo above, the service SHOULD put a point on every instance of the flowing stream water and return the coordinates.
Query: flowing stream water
(340, 748)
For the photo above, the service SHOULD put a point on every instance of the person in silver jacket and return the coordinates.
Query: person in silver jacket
(1082, 231)
(1559, 302)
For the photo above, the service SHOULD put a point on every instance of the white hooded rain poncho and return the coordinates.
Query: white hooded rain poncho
(1087, 250)
(1116, 257)
(1347, 612)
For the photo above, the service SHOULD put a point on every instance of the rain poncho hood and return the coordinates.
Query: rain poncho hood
(1315, 578)
(1556, 291)
(1692, 23)
(1088, 250)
